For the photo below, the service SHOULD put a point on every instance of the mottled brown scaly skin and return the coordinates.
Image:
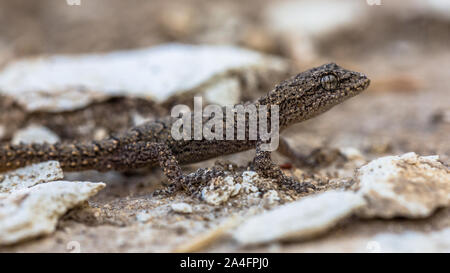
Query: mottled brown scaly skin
(299, 98)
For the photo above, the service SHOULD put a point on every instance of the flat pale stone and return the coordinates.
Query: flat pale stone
(34, 211)
(29, 176)
(412, 242)
(408, 185)
(301, 219)
(35, 134)
(66, 82)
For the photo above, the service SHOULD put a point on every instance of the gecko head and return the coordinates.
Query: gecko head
(317, 90)
(323, 87)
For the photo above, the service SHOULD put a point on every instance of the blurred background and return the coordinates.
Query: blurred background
(305, 31)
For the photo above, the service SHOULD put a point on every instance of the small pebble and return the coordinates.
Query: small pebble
(181, 208)
(143, 216)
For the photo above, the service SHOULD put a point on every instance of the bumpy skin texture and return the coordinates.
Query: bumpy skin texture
(299, 98)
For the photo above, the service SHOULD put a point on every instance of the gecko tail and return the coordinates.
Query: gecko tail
(72, 157)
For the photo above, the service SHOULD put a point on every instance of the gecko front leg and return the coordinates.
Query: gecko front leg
(265, 167)
(171, 168)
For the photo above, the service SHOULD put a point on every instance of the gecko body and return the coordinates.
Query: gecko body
(299, 98)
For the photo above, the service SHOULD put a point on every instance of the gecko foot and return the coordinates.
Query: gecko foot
(170, 166)
(191, 183)
(264, 166)
(293, 184)
(179, 182)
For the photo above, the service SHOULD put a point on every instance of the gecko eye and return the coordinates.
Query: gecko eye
(329, 82)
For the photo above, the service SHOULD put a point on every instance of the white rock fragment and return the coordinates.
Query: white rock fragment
(219, 190)
(205, 239)
(181, 207)
(35, 211)
(248, 178)
(304, 218)
(236, 190)
(408, 185)
(29, 176)
(351, 153)
(100, 133)
(224, 92)
(143, 216)
(270, 198)
(35, 134)
(413, 241)
(67, 82)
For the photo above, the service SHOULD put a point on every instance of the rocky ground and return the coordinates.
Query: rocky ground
(380, 159)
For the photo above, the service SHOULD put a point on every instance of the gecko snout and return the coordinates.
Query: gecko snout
(364, 81)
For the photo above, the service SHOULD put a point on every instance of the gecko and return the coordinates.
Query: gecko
(299, 98)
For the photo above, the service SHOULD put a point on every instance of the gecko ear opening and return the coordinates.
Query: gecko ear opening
(329, 82)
